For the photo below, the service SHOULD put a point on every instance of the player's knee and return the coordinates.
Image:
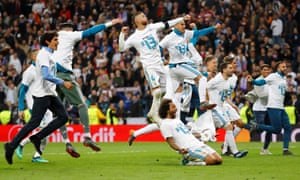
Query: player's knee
(63, 116)
(277, 130)
(218, 160)
(287, 128)
(229, 127)
(212, 160)
(239, 123)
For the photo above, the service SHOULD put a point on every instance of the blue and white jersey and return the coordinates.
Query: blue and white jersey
(177, 45)
(195, 56)
(40, 86)
(146, 43)
(233, 82)
(218, 89)
(262, 100)
(27, 79)
(64, 53)
(277, 85)
(182, 136)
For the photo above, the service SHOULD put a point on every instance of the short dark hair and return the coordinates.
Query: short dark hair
(228, 59)
(209, 58)
(265, 66)
(224, 66)
(47, 36)
(65, 25)
(164, 107)
(135, 15)
(277, 64)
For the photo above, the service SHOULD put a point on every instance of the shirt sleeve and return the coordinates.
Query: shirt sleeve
(157, 26)
(47, 76)
(164, 42)
(203, 32)
(93, 30)
(124, 44)
(269, 79)
(72, 36)
(162, 25)
(22, 93)
(27, 78)
(166, 131)
(212, 83)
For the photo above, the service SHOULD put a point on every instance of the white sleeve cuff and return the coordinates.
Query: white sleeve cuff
(108, 24)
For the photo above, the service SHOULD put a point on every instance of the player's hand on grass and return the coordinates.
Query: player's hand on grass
(183, 151)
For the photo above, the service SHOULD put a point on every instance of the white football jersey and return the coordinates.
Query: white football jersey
(195, 56)
(146, 43)
(262, 100)
(40, 86)
(233, 82)
(218, 89)
(64, 53)
(182, 136)
(27, 79)
(276, 90)
(177, 46)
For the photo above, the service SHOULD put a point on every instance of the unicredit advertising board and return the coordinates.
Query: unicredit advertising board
(120, 133)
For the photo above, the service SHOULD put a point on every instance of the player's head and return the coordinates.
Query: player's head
(33, 54)
(49, 39)
(231, 59)
(265, 70)
(66, 26)
(140, 19)
(167, 109)
(180, 26)
(226, 69)
(211, 63)
(281, 67)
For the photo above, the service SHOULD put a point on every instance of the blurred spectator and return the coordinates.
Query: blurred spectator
(11, 94)
(118, 79)
(13, 75)
(95, 115)
(111, 115)
(136, 106)
(277, 29)
(122, 113)
(15, 61)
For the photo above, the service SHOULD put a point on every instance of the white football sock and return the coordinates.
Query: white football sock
(202, 89)
(230, 141)
(236, 131)
(176, 101)
(145, 130)
(25, 141)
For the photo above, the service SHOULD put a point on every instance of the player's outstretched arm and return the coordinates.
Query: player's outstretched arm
(205, 31)
(100, 27)
(21, 106)
(123, 45)
(170, 23)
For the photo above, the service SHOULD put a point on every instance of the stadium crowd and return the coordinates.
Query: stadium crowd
(256, 32)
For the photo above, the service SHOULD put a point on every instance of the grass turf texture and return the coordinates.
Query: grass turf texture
(149, 161)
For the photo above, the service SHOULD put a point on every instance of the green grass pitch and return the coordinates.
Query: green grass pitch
(144, 161)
